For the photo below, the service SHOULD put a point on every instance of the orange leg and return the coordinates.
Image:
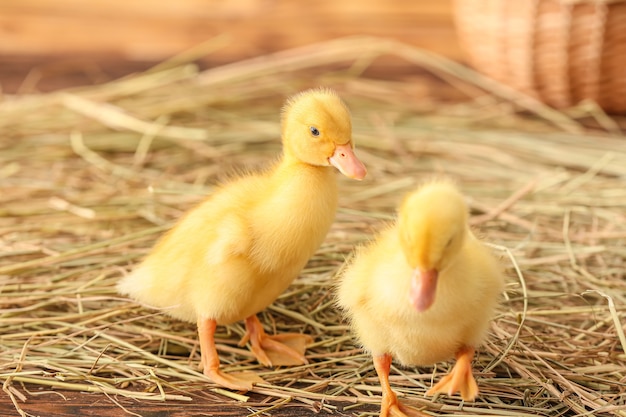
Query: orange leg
(211, 361)
(389, 405)
(460, 377)
(283, 349)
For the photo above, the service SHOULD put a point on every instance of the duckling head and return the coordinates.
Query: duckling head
(317, 129)
(433, 225)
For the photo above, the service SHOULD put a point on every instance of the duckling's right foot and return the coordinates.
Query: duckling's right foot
(398, 410)
(283, 349)
(389, 405)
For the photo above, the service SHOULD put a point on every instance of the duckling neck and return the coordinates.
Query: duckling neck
(291, 165)
(296, 214)
(308, 189)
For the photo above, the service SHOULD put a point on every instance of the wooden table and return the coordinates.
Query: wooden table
(63, 403)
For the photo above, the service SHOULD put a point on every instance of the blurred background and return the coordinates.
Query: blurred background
(45, 44)
(562, 52)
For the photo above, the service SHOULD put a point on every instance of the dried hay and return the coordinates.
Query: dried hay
(92, 176)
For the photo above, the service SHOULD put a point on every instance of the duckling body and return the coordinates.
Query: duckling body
(235, 231)
(235, 253)
(424, 290)
(387, 322)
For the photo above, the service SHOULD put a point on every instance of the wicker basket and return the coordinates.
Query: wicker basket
(559, 51)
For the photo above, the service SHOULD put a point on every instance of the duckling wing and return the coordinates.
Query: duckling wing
(205, 247)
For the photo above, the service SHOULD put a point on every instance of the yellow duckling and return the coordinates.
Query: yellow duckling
(235, 253)
(423, 291)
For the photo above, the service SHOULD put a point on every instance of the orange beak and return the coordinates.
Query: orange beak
(347, 163)
(423, 289)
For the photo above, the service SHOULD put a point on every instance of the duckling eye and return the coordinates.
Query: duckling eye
(314, 131)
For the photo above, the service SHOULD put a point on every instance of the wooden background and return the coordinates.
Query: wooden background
(95, 39)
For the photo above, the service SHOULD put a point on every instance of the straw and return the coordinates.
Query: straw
(91, 177)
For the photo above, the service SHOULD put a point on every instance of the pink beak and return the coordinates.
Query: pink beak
(347, 163)
(423, 289)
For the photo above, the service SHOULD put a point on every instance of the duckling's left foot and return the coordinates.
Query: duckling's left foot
(460, 378)
(283, 349)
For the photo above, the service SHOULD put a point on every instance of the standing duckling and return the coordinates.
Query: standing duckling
(423, 291)
(235, 253)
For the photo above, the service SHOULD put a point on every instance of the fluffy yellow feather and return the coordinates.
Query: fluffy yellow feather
(423, 291)
(235, 253)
